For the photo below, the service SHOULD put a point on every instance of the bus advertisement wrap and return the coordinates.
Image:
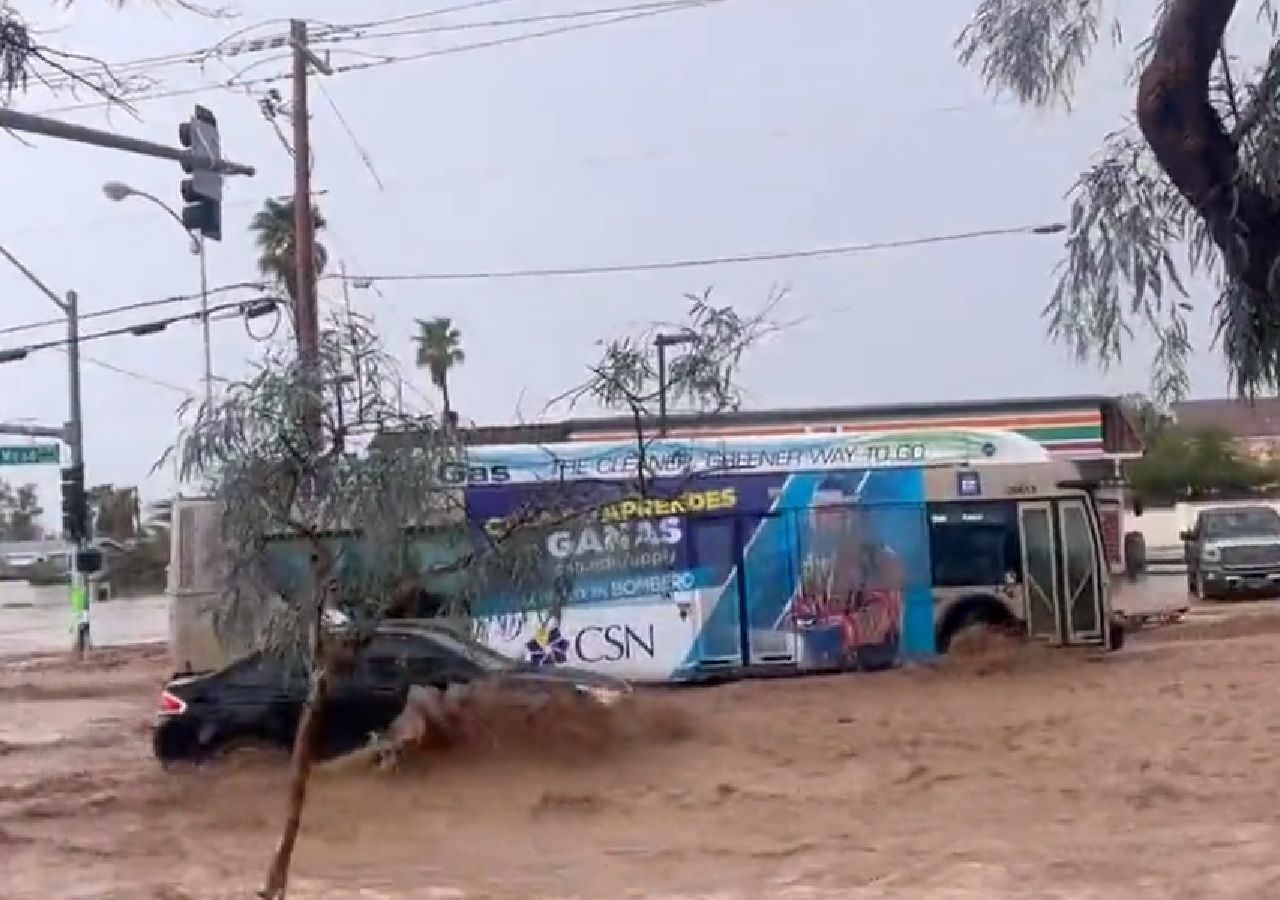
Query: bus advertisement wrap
(714, 571)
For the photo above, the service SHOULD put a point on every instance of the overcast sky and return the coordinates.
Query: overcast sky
(744, 126)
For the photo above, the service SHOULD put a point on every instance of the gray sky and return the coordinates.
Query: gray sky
(749, 125)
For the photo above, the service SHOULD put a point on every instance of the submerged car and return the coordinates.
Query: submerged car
(258, 700)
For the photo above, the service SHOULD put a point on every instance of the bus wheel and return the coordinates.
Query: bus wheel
(1116, 636)
(978, 615)
(1135, 554)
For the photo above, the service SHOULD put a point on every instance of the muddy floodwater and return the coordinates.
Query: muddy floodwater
(39, 619)
(1011, 773)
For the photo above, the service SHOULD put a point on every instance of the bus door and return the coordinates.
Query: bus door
(767, 581)
(714, 553)
(1082, 586)
(1040, 578)
(1063, 590)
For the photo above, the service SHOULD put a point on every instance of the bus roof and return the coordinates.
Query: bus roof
(520, 463)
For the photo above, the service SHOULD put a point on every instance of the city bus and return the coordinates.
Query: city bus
(688, 559)
(698, 558)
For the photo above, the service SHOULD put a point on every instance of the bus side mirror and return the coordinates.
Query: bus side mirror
(1138, 506)
(1186, 535)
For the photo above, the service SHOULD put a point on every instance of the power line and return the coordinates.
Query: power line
(138, 329)
(369, 34)
(410, 17)
(739, 259)
(325, 33)
(134, 307)
(391, 60)
(137, 376)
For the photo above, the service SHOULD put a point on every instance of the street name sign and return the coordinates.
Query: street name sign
(31, 455)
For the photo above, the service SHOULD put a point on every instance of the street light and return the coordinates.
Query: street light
(662, 342)
(117, 191)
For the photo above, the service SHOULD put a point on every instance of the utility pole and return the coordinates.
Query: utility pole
(307, 313)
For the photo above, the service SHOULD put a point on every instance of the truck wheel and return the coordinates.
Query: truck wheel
(1135, 554)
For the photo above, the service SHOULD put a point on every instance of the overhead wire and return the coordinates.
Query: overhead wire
(381, 62)
(139, 305)
(371, 280)
(654, 5)
(137, 376)
(426, 14)
(229, 46)
(702, 262)
(327, 33)
(356, 143)
(138, 329)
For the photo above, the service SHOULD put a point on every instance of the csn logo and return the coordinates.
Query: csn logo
(462, 473)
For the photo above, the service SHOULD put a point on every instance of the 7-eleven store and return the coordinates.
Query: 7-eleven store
(1090, 430)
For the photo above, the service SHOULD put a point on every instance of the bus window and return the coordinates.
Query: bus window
(973, 543)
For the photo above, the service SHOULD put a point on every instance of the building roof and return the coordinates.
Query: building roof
(1239, 417)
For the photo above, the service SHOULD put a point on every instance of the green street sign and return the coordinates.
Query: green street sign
(31, 455)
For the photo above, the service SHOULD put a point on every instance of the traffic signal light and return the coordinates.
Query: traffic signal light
(202, 192)
(75, 509)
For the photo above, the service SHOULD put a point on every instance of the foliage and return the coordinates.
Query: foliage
(701, 370)
(1192, 187)
(140, 568)
(116, 512)
(1148, 417)
(25, 58)
(286, 469)
(1193, 464)
(273, 231)
(20, 512)
(439, 346)
(281, 457)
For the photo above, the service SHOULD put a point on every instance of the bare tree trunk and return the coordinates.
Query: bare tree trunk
(1194, 148)
(304, 741)
(302, 763)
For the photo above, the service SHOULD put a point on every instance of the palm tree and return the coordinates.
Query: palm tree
(439, 350)
(273, 231)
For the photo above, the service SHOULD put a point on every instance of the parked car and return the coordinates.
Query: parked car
(259, 699)
(1232, 550)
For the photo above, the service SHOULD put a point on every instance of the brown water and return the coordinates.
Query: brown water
(39, 619)
(1011, 773)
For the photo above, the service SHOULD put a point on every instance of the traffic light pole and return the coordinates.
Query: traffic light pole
(75, 438)
(204, 322)
(12, 120)
(72, 433)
